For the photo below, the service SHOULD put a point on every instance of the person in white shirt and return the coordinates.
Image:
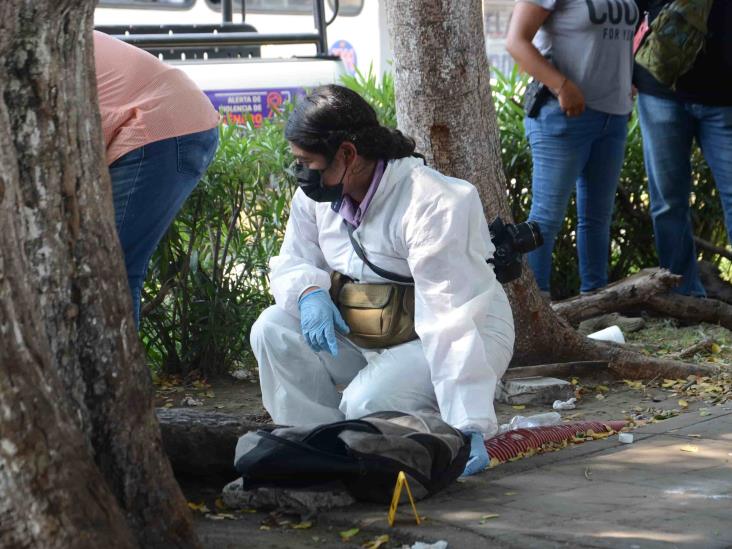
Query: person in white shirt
(410, 221)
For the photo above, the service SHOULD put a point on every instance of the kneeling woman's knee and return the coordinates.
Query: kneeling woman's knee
(375, 390)
(270, 318)
(358, 401)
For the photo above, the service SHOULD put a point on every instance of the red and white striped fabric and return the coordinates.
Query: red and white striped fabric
(512, 444)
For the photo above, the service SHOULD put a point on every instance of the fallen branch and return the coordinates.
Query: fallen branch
(704, 345)
(714, 285)
(648, 290)
(692, 309)
(624, 294)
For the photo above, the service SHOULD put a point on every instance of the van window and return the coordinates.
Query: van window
(159, 4)
(346, 7)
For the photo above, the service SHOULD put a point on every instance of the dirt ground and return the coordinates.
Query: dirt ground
(601, 397)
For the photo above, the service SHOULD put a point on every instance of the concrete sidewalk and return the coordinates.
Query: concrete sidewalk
(671, 488)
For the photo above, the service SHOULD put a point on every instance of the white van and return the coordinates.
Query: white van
(255, 79)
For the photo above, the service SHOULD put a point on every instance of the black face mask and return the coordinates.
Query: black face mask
(311, 183)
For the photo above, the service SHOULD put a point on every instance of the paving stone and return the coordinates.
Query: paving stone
(686, 420)
(534, 390)
(303, 501)
(648, 494)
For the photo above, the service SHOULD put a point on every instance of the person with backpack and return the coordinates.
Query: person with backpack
(699, 107)
(381, 285)
(160, 134)
(579, 53)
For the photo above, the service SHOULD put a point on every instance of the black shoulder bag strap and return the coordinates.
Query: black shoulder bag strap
(378, 270)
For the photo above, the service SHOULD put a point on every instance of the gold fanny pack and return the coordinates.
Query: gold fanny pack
(379, 315)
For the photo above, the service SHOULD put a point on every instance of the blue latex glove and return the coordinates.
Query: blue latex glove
(319, 318)
(478, 459)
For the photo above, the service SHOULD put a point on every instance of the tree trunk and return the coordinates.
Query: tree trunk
(81, 461)
(443, 100)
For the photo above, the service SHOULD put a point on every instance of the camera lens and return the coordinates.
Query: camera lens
(527, 237)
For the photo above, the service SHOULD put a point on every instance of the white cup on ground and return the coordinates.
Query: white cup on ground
(611, 333)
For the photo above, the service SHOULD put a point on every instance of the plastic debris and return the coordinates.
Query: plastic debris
(625, 438)
(442, 544)
(538, 420)
(611, 333)
(565, 405)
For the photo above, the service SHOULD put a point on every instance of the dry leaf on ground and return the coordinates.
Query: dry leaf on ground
(348, 534)
(487, 517)
(198, 507)
(377, 542)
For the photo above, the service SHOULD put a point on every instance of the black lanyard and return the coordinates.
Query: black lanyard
(378, 270)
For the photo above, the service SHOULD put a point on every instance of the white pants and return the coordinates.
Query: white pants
(299, 385)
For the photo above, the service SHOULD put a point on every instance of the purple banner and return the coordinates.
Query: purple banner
(236, 105)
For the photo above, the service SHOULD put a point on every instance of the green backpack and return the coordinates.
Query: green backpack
(676, 38)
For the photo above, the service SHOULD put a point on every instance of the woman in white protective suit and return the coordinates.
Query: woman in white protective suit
(363, 194)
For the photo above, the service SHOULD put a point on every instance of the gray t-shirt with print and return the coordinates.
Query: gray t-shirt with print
(591, 43)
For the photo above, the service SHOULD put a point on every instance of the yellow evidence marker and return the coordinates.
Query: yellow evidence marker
(401, 481)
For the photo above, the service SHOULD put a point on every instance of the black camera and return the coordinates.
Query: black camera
(511, 241)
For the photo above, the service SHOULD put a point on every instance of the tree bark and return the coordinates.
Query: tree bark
(622, 295)
(646, 290)
(692, 309)
(443, 99)
(202, 444)
(714, 285)
(81, 460)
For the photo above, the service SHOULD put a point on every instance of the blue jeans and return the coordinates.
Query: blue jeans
(149, 186)
(669, 128)
(583, 153)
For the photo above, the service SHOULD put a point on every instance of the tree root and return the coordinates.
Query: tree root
(201, 444)
(560, 369)
(629, 364)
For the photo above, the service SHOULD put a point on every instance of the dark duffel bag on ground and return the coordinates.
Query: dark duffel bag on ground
(365, 455)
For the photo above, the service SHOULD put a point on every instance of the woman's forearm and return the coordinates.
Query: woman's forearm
(531, 61)
(526, 20)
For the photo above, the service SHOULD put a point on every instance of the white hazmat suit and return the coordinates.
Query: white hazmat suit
(419, 223)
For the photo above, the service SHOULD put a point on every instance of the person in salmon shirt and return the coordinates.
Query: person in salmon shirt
(160, 134)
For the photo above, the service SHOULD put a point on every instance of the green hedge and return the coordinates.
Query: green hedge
(207, 282)
(211, 267)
